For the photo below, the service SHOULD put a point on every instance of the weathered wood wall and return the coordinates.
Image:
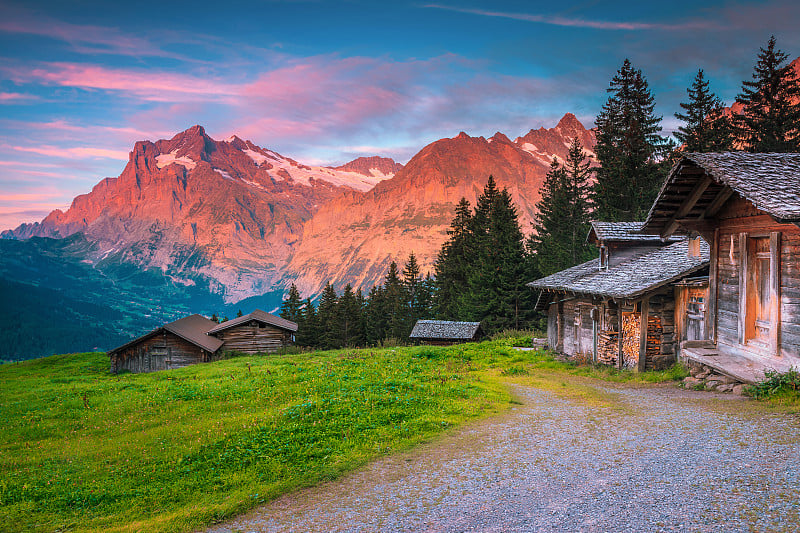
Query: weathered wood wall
(253, 337)
(736, 218)
(162, 351)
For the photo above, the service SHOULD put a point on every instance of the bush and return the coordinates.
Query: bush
(775, 384)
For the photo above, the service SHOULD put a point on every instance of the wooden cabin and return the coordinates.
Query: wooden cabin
(747, 206)
(445, 332)
(620, 308)
(256, 332)
(180, 343)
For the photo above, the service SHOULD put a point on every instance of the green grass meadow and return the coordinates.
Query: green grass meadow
(84, 450)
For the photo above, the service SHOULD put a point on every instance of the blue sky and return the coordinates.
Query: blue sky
(325, 82)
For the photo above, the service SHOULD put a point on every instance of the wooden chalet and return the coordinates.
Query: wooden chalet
(256, 332)
(620, 308)
(196, 339)
(747, 206)
(180, 343)
(445, 332)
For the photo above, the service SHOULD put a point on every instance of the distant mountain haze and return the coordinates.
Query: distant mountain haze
(250, 220)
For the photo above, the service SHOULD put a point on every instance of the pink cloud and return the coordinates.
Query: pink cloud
(581, 23)
(73, 153)
(9, 98)
(146, 85)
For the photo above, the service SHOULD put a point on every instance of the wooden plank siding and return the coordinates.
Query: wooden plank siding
(161, 351)
(254, 337)
(737, 222)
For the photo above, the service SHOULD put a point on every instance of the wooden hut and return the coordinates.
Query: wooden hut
(747, 206)
(180, 343)
(445, 332)
(256, 332)
(619, 309)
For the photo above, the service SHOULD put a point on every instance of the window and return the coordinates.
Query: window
(759, 292)
(603, 257)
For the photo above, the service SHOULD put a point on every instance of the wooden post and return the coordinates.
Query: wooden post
(643, 334)
(742, 322)
(711, 303)
(560, 320)
(620, 362)
(774, 293)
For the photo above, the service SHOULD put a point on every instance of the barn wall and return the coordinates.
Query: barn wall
(738, 217)
(254, 338)
(162, 351)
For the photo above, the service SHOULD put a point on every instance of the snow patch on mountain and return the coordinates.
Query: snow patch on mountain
(172, 157)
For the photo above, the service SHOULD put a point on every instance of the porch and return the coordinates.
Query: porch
(737, 366)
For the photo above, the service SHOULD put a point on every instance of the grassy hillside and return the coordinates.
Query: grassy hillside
(84, 450)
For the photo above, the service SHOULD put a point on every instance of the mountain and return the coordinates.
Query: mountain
(354, 238)
(229, 210)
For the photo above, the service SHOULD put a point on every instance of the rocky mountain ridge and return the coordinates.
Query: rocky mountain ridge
(250, 220)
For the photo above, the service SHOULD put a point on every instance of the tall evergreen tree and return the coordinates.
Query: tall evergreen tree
(562, 220)
(412, 281)
(452, 265)
(349, 318)
(396, 301)
(375, 316)
(629, 149)
(770, 119)
(327, 319)
(307, 328)
(706, 128)
(291, 307)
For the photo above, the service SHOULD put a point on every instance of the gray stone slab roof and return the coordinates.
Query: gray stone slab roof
(631, 278)
(192, 328)
(444, 329)
(620, 231)
(259, 315)
(771, 182)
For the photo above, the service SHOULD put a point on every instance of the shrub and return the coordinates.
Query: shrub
(776, 384)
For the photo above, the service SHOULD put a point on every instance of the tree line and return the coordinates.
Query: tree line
(481, 270)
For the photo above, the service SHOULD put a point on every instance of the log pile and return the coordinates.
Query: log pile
(630, 340)
(607, 347)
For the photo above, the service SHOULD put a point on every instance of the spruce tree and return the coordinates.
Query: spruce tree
(292, 305)
(452, 265)
(629, 149)
(562, 220)
(396, 301)
(770, 119)
(706, 128)
(412, 281)
(327, 319)
(307, 329)
(349, 315)
(375, 316)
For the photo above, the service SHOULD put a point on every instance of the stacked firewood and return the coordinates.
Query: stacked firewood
(607, 347)
(630, 340)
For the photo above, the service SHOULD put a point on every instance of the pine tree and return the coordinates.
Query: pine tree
(239, 313)
(214, 318)
(629, 149)
(307, 329)
(770, 119)
(562, 221)
(349, 316)
(292, 305)
(452, 265)
(396, 309)
(327, 322)
(706, 128)
(375, 316)
(412, 282)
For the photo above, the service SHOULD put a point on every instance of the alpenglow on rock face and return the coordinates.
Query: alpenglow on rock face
(251, 220)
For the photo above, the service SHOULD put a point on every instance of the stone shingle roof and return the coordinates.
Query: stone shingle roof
(444, 329)
(771, 182)
(261, 316)
(631, 278)
(191, 328)
(620, 231)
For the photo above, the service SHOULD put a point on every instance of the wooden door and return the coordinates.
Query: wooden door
(695, 315)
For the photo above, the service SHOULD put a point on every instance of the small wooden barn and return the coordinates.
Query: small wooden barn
(256, 332)
(445, 332)
(620, 308)
(180, 343)
(747, 206)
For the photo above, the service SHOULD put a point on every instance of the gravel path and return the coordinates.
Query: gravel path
(658, 459)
